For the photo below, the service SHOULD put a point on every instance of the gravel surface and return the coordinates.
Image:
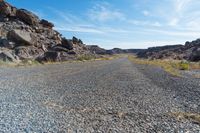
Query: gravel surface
(114, 96)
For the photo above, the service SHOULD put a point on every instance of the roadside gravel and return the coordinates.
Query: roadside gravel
(97, 96)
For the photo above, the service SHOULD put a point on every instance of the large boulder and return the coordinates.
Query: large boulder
(8, 56)
(60, 48)
(46, 24)
(27, 17)
(52, 56)
(21, 37)
(195, 56)
(67, 44)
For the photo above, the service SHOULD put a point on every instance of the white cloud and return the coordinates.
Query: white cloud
(104, 12)
(145, 23)
(146, 13)
(79, 29)
(180, 5)
(176, 33)
(174, 22)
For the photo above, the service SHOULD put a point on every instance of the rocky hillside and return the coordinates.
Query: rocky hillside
(190, 51)
(23, 35)
(97, 50)
(124, 51)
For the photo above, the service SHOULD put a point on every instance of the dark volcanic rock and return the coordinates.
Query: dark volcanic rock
(52, 56)
(67, 44)
(46, 24)
(8, 56)
(27, 17)
(6, 43)
(195, 56)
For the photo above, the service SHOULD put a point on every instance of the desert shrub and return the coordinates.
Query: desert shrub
(184, 65)
(85, 57)
(29, 62)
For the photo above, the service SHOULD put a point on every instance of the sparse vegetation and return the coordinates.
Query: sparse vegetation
(85, 57)
(188, 116)
(170, 66)
(29, 62)
(22, 63)
(183, 65)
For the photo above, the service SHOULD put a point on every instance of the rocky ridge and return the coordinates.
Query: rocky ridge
(24, 36)
(190, 51)
(97, 50)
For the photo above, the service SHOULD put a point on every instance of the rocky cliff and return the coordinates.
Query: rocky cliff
(190, 51)
(23, 35)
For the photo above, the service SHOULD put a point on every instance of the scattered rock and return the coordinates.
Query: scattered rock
(7, 44)
(30, 52)
(8, 56)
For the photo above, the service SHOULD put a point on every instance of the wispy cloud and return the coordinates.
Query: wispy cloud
(145, 23)
(145, 13)
(175, 33)
(110, 25)
(104, 12)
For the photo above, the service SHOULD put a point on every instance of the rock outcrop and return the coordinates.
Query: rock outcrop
(190, 51)
(97, 50)
(24, 36)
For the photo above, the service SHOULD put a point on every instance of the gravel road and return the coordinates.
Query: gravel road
(115, 96)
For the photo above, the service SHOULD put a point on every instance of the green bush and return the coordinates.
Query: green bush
(184, 65)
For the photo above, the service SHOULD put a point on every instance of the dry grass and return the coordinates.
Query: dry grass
(23, 63)
(194, 66)
(170, 66)
(187, 116)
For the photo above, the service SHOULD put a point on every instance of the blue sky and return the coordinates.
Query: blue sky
(121, 23)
